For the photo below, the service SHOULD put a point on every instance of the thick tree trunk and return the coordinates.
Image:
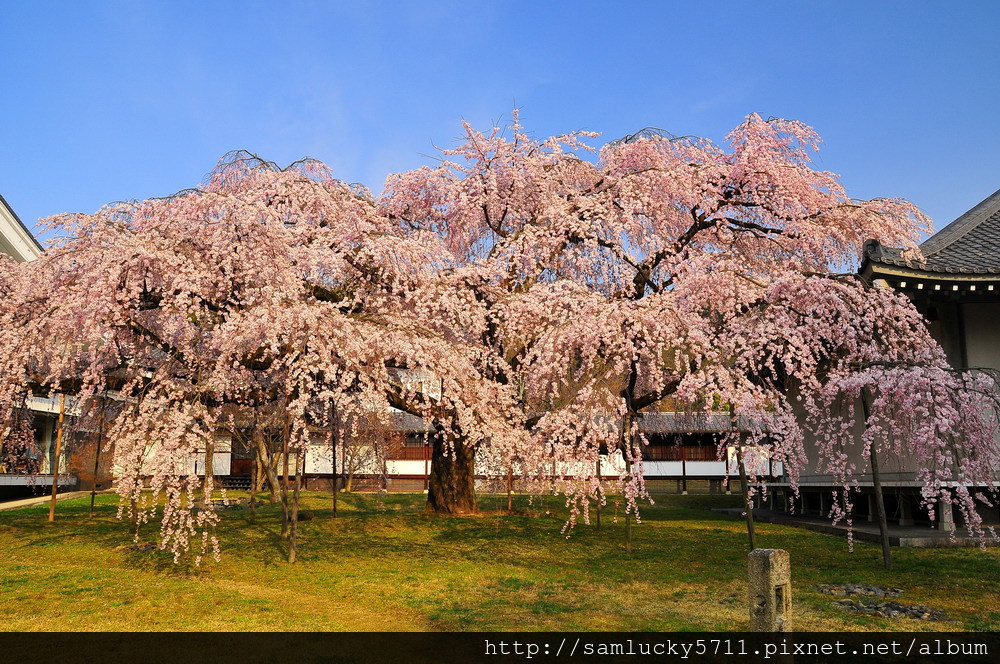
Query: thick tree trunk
(451, 486)
(259, 476)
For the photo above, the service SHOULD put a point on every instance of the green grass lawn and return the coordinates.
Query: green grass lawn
(383, 564)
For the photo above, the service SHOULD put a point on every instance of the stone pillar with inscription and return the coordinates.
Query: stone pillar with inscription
(770, 590)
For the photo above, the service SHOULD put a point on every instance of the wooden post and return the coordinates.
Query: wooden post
(427, 446)
(441, 415)
(684, 476)
(600, 491)
(883, 526)
(333, 442)
(55, 461)
(510, 489)
(133, 515)
(286, 434)
(427, 460)
(748, 505)
(255, 469)
(293, 540)
(628, 445)
(744, 488)
(208, 481)
(97, 456)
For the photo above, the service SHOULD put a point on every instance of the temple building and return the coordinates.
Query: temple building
(15, 239)
(956, 286)
(18, 475)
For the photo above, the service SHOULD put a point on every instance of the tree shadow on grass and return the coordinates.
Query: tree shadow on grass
(162, 562)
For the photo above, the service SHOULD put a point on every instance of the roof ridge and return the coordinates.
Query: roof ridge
(961, 227)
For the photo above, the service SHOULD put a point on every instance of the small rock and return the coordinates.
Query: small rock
(891, 609)
(858, 589)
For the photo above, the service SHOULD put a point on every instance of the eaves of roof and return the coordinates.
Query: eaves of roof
(16, 218)
(968, 246)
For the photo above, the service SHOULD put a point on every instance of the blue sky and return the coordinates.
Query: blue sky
(104, 101)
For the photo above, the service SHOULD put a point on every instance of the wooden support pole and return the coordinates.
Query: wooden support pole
(333, 442)
(744, 488)
(427, 447)
(208, 481)
(510, 489)
(286, 434)
(427, 460)
(684, 475)
(628, 445)
(883, 525)
(748, 505)
(254, 469)
(293, 540)
(600, 490)
(55, 460)
(97, 457)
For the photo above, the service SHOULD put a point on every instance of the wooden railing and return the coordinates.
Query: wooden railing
(680, 453)
(410, 453)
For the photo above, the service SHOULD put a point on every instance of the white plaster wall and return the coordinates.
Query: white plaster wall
(891, 468)
(319, 459)
(405, 467)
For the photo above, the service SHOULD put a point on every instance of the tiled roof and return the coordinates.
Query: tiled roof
(968, 245)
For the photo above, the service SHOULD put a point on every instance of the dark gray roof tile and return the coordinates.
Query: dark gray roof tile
(968, 245)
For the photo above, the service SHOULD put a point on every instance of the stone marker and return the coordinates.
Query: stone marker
(770, 591)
